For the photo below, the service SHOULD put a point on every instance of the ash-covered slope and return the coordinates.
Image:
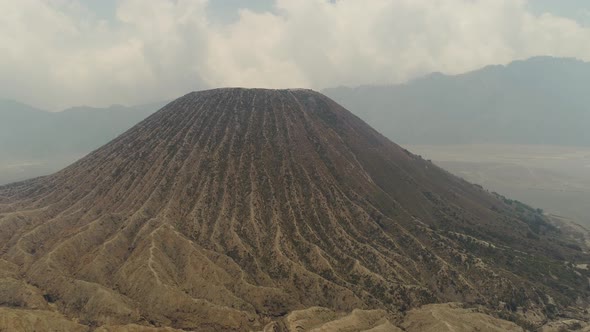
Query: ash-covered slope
(230, 208)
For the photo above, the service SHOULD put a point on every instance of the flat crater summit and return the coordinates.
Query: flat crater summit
(244, 209)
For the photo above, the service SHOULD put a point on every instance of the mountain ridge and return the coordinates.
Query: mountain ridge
(31, 133)
(541, 100)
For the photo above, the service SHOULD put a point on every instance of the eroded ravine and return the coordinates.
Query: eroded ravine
(230, 208)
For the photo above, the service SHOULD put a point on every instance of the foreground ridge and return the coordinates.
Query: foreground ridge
(229, 209)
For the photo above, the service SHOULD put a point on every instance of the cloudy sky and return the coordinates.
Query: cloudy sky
(59, 53)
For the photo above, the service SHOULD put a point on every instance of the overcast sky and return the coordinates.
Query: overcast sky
(59, 53)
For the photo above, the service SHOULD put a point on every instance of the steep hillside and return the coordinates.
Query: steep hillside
(541, 100)
(229, 209)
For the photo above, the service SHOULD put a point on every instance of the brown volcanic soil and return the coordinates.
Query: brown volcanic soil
(228, 209)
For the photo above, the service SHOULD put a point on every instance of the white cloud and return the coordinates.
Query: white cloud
(56, 53)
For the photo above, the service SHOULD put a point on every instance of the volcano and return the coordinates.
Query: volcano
(232, 209)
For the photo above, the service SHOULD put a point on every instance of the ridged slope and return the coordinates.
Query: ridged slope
(230, 208)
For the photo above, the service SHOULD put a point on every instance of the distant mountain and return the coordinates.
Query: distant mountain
(276, 210)
(34, 142)
(27, 132)
(542, 100)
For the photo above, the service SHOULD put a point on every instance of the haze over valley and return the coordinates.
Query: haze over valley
(554, 178)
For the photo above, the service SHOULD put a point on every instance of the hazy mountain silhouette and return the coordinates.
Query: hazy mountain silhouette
(27, 132)
(34, 142)
(236, 209)
(541, 100)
